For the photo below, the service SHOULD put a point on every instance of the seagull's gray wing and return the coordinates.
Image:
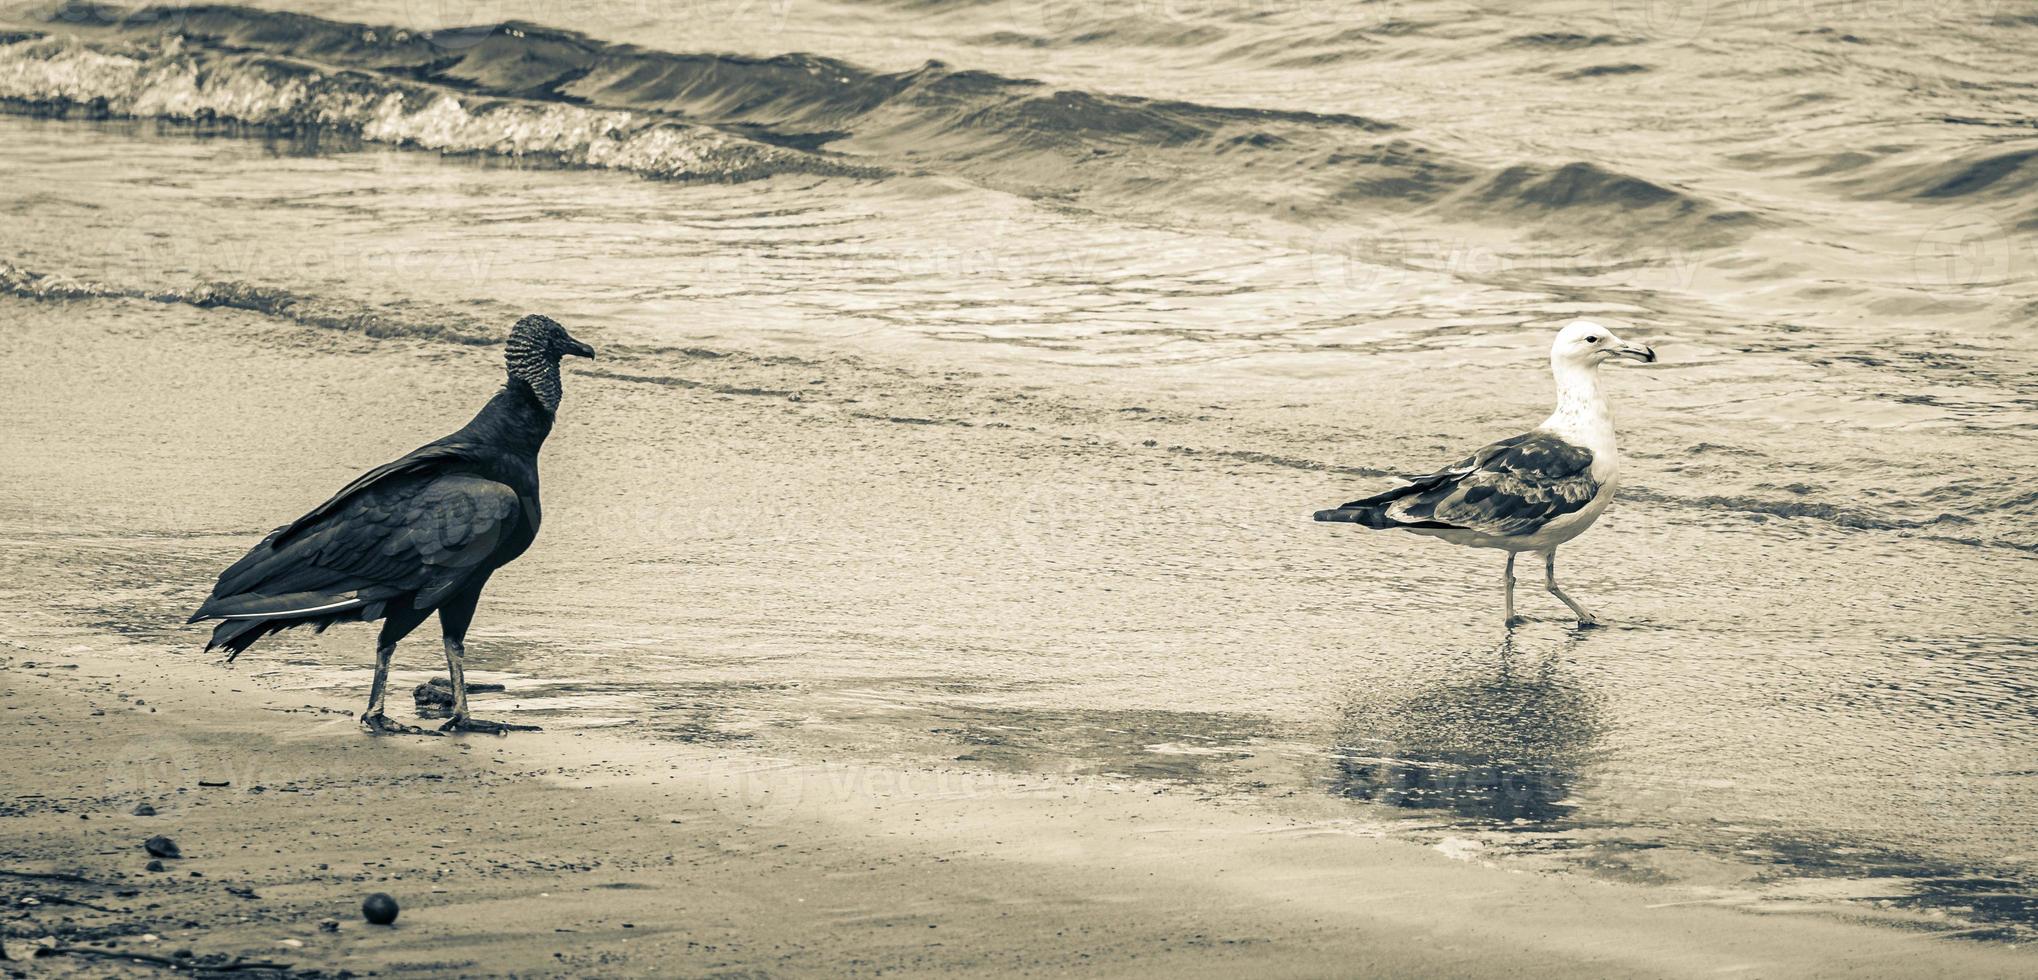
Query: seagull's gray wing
(1514, 486)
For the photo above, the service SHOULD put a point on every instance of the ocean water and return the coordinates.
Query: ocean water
(970, 370)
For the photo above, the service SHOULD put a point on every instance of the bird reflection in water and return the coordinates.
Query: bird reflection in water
(1501, 736)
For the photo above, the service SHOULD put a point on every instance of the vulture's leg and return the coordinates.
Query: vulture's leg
(1507, 580)
(398, 624)
(454, 617)
(1585, 616)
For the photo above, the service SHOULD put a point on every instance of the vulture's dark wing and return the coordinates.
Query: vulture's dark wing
(424, 459)
(1514, 486)
(421, 534)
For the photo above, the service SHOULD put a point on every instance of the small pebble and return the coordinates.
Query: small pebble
(379, 909)
(144, 810)
(154, 866)
(162, 847)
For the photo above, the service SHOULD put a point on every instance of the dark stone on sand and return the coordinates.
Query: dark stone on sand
(329, 925)
(153, 866)
(215, 783)
(144, 810)
(379, 909)
(439, 691)
(162, 847)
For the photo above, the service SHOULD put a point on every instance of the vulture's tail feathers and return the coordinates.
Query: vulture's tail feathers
(288, 606)
(250, 617)
(237, 635)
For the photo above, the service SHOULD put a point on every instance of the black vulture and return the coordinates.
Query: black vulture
(412, 537)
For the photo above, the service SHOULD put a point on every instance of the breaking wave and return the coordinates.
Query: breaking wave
(170, 80)
(524, 90)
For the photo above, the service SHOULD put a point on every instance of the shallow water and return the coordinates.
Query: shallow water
(951, 417)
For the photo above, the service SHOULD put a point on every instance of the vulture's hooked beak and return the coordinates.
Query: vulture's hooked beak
(1640, 352)
(577, 349)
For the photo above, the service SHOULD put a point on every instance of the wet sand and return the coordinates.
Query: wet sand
(579, 852)
(583, 854)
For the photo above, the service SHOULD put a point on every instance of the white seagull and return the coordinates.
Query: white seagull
(1532, 492)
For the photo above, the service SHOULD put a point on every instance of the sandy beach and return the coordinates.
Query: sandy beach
(945, 564)
(601, 850)
(575, 855)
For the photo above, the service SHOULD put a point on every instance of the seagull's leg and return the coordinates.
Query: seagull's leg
(394, 628)
(454, 617)
(1585, 616)
(1507, 578)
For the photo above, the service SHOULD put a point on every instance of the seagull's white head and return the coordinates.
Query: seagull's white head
(1584, 343)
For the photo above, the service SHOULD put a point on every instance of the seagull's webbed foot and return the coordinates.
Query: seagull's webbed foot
(462, 723)
(1586, 620)
(379, 724)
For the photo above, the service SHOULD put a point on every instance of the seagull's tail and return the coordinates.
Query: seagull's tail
(1373, 517)
(1375, 511)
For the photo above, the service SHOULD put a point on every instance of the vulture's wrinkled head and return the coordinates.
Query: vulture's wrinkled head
(536, 344)
(540, 334)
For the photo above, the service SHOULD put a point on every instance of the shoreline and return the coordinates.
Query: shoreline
(777, 865)
(589, 852)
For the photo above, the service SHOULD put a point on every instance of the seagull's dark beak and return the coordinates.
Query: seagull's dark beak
(576, 348)
(1640, 352)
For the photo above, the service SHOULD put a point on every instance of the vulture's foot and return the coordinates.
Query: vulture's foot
(379, 724)
(462, 723)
